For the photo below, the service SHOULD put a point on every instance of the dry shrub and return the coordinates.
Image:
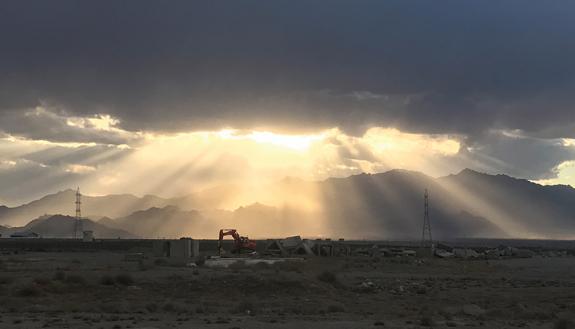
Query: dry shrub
(107, 280)
(261, 266)
(29, 290)
(161, 262)
(169, 307)
(75, 279)
(335, 308)
(6, 279)
(59, 276)
(200, 260)
(144, 267)
(289, 266)
(239, 265)
(109, 307)
(152, 307)
(13, 304)
(245, 307)
(564, 324)
(426, 321)
(42, 281)
(175, 307)
(327, 277)
(125, 279)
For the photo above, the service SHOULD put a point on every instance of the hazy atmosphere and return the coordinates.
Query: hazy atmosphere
(191, 95)
(258, 164)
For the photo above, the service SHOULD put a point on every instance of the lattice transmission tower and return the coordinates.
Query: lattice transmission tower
(78, 222)
(426, 238)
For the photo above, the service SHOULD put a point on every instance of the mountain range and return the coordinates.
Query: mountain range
(60, 226)
(371, 206)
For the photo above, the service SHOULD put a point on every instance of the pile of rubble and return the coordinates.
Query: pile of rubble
(296, 246)
(444, 251)
(377, 251)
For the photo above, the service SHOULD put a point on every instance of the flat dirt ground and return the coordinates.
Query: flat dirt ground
(101, 290)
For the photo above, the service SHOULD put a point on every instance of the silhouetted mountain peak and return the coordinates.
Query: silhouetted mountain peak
(393, 173)
(255, 206)
(468, 171)
(64, 226)
(502, 178)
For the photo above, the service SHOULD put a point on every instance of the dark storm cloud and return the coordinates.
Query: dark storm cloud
(37, 169)
(426, 66)
(46, 124)
(498, 152)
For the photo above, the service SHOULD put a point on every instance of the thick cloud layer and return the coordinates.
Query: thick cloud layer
(497, 76)
(426, 66)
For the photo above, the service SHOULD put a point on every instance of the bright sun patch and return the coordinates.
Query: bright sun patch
(293, 142)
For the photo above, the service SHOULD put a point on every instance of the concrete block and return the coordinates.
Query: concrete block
(160, 248)
(195, 248)
(291, 242)
(181, 248)
(88, 236)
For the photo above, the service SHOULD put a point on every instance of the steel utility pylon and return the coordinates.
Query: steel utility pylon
(426, 238)
(78, 222)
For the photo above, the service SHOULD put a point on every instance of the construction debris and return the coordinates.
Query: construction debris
(443, 253)
(225, 262)
(465, 253)
(289, 246)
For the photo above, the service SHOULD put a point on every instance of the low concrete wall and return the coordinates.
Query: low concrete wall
(40, 244)
(209, 247)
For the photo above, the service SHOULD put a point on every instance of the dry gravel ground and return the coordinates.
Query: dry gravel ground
(101, 290)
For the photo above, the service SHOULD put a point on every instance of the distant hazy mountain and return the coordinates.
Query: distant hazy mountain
(520, 207)
(114, 205)
(167, 222)
(390, 205)
(263, 221)
(92, 206)
(469, 204)
(387, 205)
(256, 220)
(59, 226)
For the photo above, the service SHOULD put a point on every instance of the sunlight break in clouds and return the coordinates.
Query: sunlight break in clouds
(565, 174)
(180, 163)
(172, 164)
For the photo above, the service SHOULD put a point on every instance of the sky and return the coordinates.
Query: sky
(172, 97)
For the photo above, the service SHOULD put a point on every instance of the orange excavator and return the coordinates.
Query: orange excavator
(241, 243)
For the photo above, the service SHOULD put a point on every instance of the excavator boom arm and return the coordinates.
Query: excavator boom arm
(240, 242)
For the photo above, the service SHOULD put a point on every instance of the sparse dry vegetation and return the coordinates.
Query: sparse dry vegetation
(314, 290)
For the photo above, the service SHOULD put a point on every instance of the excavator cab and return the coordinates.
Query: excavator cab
(242, 244)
